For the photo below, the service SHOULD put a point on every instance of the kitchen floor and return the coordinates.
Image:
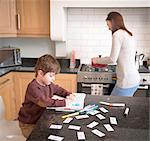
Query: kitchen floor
(10, 131)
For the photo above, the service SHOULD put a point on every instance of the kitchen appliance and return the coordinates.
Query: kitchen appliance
(101, 80)
(9, 56)
(138, 59)
(144, 88)
(98, 80)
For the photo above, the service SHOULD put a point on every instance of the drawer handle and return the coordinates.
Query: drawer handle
(5, 81)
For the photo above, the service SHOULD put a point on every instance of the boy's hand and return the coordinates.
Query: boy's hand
(68, 102)
(71, 97)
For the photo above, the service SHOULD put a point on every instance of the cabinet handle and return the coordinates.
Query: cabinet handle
(5, 81)
(18, 22)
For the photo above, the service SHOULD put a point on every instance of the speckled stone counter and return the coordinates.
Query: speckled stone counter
(29, 63)
(134, 127)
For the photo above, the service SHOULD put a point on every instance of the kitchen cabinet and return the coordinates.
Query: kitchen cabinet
(22, 79)
(33, 17)
(8, 95)
(67, 81)
(25, 18)
(7, 18)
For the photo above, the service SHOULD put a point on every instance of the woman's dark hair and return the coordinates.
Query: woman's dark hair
(117, 22)
(47, 63)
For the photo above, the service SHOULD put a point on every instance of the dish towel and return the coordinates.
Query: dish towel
(96, 89)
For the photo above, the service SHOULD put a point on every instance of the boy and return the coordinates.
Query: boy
(39, 94)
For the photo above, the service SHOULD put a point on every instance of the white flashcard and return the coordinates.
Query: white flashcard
(54, 126)
(93, 112)
(92, 124)
(113, 120)
(81, 135)
(104, 110)
(126, 112)
(74, 127)
(108, 127)
(55, 138)
(81, 116)
(118, 104)
(68, 120)
(101, 117)
(98, 133)
(104, 103)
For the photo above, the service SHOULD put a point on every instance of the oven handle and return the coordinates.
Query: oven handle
(145, 87)
(89, 85)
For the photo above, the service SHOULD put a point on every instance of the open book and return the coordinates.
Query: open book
(76, 105)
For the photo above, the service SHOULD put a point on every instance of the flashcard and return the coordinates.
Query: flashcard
(118, 104)
(113, 120)
(101, 117)
(81, 116)
(74, 127)
(92, 124)
(93, 112)
(54, 126)
(81, 135)
(55, 138)
(68, 120)
(104, 110)
(98, 133)
(108, 127)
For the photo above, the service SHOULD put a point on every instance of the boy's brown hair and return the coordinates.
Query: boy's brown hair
(47, 63)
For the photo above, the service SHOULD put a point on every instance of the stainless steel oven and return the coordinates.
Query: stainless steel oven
(96, 80)
(94, 89)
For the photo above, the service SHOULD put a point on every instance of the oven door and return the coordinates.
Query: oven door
(94, 89)
(143, 91)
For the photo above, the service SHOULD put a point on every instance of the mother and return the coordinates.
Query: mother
(122, 53)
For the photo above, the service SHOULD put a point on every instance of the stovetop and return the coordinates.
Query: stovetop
(90, 74)
(90, 68)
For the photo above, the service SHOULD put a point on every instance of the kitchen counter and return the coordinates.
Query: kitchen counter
(143, 69)
(29, 63)
(64, 69)
(4, 71)
(134, 127)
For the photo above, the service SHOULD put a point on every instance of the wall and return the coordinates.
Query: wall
(30, 47)
(88, 34)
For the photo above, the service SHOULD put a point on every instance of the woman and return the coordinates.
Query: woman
(122, 53)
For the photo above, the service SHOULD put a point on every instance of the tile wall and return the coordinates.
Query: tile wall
(88, 34)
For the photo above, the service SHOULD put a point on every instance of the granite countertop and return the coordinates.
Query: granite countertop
(143, 69)
(29, 63)
(135, 126)
(4, 71)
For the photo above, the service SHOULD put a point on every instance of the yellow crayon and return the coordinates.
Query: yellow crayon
(70, 115)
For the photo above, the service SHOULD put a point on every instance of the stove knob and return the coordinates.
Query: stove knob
(85, 77)
(144, 80)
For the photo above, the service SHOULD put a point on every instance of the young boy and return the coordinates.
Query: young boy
(39, 94)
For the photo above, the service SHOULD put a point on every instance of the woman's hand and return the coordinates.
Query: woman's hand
(94, 60)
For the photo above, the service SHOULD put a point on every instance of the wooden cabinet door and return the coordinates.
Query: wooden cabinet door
(7, 93)
(22, 80)
(7, 18)
(67, 81)
(33, 17)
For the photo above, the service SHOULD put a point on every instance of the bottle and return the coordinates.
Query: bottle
(72, 60)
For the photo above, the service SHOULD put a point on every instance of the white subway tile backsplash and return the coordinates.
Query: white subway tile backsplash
(88, 34)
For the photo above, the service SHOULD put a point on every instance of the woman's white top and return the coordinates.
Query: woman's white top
(123, 53)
